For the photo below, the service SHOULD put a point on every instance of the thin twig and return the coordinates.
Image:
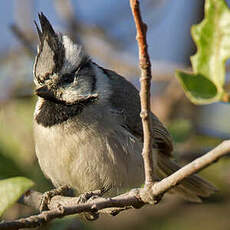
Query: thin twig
(145, 79)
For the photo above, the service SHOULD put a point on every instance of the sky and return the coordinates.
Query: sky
(169, 23)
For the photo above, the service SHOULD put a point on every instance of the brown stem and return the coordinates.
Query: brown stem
(145, 79)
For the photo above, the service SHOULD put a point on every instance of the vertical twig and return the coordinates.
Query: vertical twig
(145, 79)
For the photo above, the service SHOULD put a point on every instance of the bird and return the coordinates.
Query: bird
(87, 128)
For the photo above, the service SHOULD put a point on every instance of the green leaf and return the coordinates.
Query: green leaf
(199, 89)
(11, 190)
(212, 38)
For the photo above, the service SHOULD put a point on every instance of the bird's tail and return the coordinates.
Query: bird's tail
(192, 188)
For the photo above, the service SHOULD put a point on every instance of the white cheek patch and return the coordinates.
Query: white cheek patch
(73, 55)
(71, 96)
(102, 89)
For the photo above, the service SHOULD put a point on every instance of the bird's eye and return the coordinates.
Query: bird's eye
(68, 78)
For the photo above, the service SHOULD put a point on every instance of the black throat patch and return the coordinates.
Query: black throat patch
(52, 113)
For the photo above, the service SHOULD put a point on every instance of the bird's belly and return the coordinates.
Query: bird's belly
(90, 158)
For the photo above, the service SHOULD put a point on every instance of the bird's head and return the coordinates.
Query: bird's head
(63, 72)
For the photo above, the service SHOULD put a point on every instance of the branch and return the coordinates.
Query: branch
(145, 79)
(61, 206)
(20, 35)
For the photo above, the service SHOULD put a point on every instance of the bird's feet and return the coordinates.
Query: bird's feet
(47, 196)
(89, 196)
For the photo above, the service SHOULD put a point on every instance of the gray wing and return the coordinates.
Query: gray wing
(125, 99)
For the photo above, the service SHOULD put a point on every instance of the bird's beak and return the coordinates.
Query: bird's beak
(45, 93)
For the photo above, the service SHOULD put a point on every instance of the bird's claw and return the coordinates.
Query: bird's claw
(89, 196)
(47, 196)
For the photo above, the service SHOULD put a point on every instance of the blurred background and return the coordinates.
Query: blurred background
(106, 29)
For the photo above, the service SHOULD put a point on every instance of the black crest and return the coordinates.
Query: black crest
(50, 46)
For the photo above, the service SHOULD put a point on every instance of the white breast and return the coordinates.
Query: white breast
(90, 154)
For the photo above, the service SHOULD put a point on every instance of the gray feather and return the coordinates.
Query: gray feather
(125, 98)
